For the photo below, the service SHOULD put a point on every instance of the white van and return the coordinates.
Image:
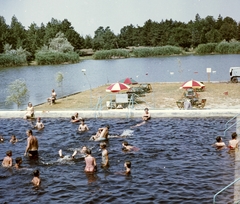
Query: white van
(234, 74)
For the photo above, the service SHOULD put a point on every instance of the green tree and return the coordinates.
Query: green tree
(18, 92)
(60, 43)
(4, 33)
(17, 33)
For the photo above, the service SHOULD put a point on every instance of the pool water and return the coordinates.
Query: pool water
(175, 164)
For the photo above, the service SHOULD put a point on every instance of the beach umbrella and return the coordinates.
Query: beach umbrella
(117, 87)
(192, 84)
(128, 81)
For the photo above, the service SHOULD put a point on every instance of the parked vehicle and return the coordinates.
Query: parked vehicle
(234, 74)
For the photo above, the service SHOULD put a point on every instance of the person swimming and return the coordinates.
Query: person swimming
(128, 147)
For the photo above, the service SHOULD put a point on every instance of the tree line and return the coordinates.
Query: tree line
(151, 34)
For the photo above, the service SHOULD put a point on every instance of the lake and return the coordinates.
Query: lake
(41, 80)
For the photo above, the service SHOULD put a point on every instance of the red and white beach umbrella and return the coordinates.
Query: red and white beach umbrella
(192, 84)
(117, 87)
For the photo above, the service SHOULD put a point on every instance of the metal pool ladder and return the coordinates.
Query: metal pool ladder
(214, 197)
(227, 128)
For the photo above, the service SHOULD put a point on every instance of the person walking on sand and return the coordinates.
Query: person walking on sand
(32, 145)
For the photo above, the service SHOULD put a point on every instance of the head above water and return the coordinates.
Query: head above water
(125, 143)
(103, 145)
(29, 132)
(9, 153)
(146, 109)
(128, 164)
(234, 135)
(36, 173)
(218, 139)
(107, 126)
(18, 160)
(88, 151)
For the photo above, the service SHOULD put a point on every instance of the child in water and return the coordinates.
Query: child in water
(233, 143)
(127, 147)
(127, 166)
(36, 180)
(219, 144)
(7, 161)
(18, 162)
(13, 139)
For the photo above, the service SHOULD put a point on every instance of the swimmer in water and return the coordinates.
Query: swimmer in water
(18, 162)
(39, 125)
(13, 139)
(75, 118)
(7, 161)
(83, 127)
(127, 166)
(1, 138)
(145, 117)
(68, 157)
(127, 147)
(219, 144)
(233, 143)
(36, 179)
(102, 134)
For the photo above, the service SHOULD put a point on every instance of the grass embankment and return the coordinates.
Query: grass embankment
(164, 96)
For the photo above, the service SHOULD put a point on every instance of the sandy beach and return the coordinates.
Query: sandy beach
(219, 95)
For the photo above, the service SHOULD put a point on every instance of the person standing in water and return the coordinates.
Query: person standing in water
(233, 143)
(146, 116)
(39, 125)
(32, 145)
(105, 159)
(91, 165)
(83, 127)
(7, 161)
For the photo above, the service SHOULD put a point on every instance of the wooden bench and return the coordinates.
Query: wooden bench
(201, 103)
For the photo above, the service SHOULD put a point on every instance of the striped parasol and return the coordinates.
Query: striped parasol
(117, 87)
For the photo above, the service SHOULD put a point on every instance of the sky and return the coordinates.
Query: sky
(86, 16)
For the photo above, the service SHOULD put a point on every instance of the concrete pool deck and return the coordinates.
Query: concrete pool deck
(127, 113)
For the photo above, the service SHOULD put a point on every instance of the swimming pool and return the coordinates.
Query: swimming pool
(175, 163)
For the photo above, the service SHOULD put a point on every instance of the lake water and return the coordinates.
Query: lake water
(41, 80)
(175, 163)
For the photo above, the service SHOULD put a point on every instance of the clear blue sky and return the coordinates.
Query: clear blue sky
(87, 15)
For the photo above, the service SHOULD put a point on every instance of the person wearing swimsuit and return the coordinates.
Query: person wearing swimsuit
(91, 165)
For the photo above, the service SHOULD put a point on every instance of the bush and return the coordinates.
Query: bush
(206, 48)
(109, 54)
(157, 51)
(12, 59)
(50, 57)
(232, 47)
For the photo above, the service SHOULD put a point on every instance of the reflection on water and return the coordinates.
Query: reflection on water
(41, 80)
(175, 163)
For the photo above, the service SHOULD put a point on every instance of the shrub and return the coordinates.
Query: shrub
(50, 57)
(157, 51)
(206, 48)
(109, 54)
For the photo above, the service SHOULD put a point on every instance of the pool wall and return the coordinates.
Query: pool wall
(126, 113)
